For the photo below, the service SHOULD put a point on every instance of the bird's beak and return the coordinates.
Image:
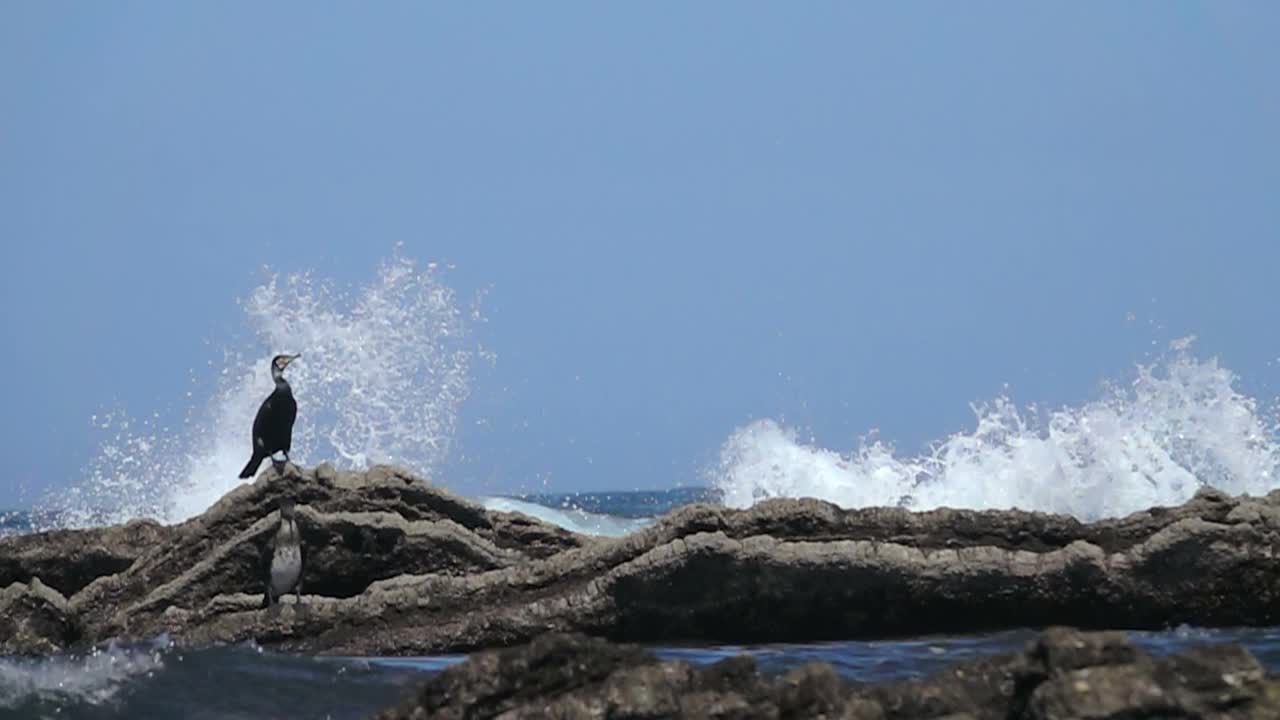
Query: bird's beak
(295, 357)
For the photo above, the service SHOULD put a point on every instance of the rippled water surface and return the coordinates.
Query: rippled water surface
(242, 682)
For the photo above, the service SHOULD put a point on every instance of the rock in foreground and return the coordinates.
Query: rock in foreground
(1063, 674)
(397, 566)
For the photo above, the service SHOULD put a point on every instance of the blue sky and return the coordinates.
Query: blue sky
(848, 215)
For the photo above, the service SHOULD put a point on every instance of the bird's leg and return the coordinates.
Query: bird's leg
(297, 593)
(278, 464)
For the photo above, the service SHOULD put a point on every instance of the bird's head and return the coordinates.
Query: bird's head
(279, 363)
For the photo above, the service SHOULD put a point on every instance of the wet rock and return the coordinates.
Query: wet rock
(1063, 674)
(68, 560)
(403, 527)
(703, 575)
(397, 565)
(34, 620)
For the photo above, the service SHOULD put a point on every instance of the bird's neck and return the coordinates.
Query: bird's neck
(282, 385)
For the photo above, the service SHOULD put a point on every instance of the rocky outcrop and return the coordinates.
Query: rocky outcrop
(1062, 675)
(398, 566)
(357, 528)
(34, 619)
(68, 560)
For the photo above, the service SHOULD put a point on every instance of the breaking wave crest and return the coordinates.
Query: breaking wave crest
(93, 678)
(386, 367)
(384, 370)
(1179, 426)
(158, 680)
(570, 518)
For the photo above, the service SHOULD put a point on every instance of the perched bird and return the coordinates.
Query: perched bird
(273, 427)
(286, 558)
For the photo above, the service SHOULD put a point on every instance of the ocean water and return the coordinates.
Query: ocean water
(387, 370)
(158, 680)
(609, 514)
(161, 682)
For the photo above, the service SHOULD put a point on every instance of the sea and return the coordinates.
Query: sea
(157, 679)
(388, 368)
(242, 682)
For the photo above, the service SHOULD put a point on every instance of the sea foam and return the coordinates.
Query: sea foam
(570, 518)
(1178, 426)
(384, 370)
(93, 678)
(386, 367)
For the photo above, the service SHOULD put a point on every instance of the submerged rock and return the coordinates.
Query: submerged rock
(1064, 674)
(399, 566)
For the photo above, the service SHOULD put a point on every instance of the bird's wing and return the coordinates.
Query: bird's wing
(259, 420)
(289, 409)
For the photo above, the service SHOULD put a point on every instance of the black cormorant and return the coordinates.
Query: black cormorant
(273, 427)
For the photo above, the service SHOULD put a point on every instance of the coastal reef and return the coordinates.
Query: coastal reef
(1062, 675)
(399, 566)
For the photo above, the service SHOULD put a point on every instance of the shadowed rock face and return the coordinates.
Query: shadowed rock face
(1063, 674)
(67, 560)
(398, 566)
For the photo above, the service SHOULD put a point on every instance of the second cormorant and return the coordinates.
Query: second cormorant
(285, 558)
(273, 426)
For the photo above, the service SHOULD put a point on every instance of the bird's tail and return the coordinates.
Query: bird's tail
(252, 467)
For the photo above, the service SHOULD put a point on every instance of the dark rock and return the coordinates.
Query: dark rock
(67, 560)
(1063, 675)
(404, 527)
(532, 537)
(399, 566)
(34, 620)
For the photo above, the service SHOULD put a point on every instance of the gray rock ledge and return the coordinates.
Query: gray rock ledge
(399, 566)
(1062, 675)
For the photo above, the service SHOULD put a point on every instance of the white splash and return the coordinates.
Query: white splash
(1179, 426)
(384, 370)
(570, 518)
(93, 678)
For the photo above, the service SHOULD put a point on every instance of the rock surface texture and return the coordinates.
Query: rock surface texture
(1063, 674)
(399, 566)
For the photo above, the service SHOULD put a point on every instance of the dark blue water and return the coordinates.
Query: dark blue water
(631, 504)
(159, 681)
(244, 682)
(14, 521)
